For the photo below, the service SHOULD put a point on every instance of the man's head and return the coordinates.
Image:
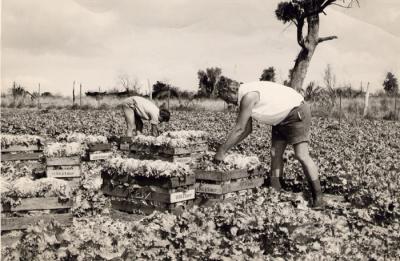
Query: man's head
(229, 92)
(164, 115)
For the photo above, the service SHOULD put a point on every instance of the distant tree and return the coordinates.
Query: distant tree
(312, 92)
(391, 85)
(47, 94)
(305, 14)
(128, 83)
(268, 74)
(17, 90)
(330, 83)
(223, 82)
(207, 82)
(161, 89)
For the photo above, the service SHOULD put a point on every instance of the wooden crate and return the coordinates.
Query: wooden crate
(21, 152)
(125, 143)
(146, 207)
(63, 167)
(162, 182)
(150, 193)
(218, 185)
(144, 195)
(18, 217)
(193, 148)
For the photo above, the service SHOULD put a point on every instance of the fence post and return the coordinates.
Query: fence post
(73, 93)
(39, 97)
(366, 102)
(395, 106)
(80, 95)
(169, 94)
(340, 106)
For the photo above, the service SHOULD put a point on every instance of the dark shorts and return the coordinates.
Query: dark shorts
(295, 128)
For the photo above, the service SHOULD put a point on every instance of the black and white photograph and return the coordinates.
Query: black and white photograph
(211, 130)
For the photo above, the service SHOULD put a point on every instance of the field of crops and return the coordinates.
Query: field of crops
(359, 168)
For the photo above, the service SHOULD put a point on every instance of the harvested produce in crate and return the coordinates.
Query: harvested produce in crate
(23, 140)
(28, 188)
(82, 138)
(146, 168)
(231, 162)
(58, 149)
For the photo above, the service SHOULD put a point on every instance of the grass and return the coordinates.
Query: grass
(379, 107)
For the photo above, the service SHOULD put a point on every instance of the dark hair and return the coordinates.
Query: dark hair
(225, 91)
(165, 115)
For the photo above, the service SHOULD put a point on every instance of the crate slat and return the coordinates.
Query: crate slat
(21, 148)
(63, 171)
(21, 156)
(28, 204)
(63, 161)
(148, 207)
(229, 187)
(100, 155)
(99, 147)
(17, 223)
(225, 176)
(149, 194)
(181, 151)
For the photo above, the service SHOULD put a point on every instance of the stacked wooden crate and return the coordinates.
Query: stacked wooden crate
(142, 186)
(21, 147)
(25, 202)
(63, 161)
(96, 146)
(174, 146)
(125, 143)
(98, 151)
(227, 179)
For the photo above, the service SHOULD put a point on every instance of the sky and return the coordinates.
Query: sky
(94, 42)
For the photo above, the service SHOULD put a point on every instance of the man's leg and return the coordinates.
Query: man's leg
(139, 123)
(277, 149)
(310, 170)
(129, 114)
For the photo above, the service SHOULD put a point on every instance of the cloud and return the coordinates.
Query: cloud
(57, 42)
(51, 27)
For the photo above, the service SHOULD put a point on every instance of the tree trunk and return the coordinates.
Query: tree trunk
(302, 62)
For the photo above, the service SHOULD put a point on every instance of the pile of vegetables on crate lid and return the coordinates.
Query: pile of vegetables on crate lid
(58, 149)
(146, 168)
(231, 162)
(9, 140)
(82, 138)
(172, 139)
(27, 188)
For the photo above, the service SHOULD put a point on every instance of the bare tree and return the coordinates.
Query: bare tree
(128, 83)
(305, 15)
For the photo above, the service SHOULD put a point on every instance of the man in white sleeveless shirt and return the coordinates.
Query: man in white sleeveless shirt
(283, 108)
(136, 109)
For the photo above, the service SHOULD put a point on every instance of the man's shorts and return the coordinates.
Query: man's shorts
(295, 128)
(131, 103)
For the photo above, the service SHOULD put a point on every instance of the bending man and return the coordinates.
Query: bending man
(283, 108)
(136, 109)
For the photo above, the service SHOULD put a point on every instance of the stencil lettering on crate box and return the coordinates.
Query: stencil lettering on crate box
(182, 196)
(208, 188)
(63, 171)
(99, 155)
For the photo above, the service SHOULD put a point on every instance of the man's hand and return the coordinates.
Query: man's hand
(219, 157)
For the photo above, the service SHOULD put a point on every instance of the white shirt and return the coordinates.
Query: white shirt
(276, 100)
(146, 109)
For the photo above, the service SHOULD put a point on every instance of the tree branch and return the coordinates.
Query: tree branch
(300, 38)
(328, 38)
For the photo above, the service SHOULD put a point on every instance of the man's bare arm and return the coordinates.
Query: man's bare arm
(154, 130)
(243, 126)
